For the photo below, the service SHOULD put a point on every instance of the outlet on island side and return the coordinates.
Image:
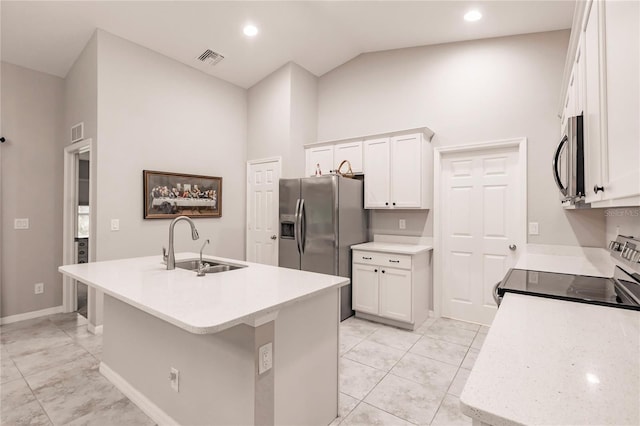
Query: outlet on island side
(402, 224)
(265, 358)
(38, 288)
(174, 379)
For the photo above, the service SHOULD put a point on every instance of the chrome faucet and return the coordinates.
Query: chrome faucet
(202, 269)
(170, 256)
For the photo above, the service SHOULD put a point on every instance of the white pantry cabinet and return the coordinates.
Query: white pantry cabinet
(398, 172)
(390, 287)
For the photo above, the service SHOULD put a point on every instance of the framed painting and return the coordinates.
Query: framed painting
(168, 195)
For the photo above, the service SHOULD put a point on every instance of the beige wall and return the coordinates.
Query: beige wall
(466, 92)
(283, 117)
(31, 188)
(155, 113)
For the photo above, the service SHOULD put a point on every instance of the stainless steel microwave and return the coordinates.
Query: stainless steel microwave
(568, 162)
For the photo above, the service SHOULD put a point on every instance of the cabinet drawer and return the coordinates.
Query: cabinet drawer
(402, 261)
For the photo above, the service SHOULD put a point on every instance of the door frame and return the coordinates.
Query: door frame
(69, 293)
(439, 153)
(250, 163)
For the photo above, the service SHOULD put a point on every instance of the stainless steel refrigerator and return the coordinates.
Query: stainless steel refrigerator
(320, 218)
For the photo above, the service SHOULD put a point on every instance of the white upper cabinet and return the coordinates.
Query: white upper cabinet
(398, 172)
(350, 151)
(320, 157)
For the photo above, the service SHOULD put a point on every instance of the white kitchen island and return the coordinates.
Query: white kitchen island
(554, 362)
(210, 329)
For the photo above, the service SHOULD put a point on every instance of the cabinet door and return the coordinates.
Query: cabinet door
(352, 152)
(592, 104)
(395, 294)
(406, 171)
(621, 174)
(376, 170)
(365, 288)
(321, 156)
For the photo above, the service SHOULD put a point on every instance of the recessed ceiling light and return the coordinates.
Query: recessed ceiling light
(250, 30)
(472, 15)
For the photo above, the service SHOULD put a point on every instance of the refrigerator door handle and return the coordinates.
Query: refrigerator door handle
(296, 226)
(303, 226)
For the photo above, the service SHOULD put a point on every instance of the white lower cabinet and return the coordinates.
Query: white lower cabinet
(391, 288)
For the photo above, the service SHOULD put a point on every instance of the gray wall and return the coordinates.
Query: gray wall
(283, 117)
(155, 113)
(31, 188)
(449, 88)
(622, 221)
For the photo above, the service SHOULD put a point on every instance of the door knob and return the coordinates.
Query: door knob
(512, 247)
(273, 237)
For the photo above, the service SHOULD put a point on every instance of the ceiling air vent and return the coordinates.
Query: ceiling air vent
(210, 57)
(77, 132)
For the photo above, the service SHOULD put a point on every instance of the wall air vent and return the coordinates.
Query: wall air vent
(77, 132)
(210, 57)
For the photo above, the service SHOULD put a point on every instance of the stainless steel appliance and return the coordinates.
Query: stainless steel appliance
(320, 218)
(568, 162)
(620, 291)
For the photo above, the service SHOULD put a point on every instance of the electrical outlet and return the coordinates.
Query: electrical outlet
(174, 378)
(115, 224)
(21, 223)
(265, 361)
(402, 224)
(533, 228)
(38, 288)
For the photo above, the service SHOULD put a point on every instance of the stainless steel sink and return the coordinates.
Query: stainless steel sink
(192, 265)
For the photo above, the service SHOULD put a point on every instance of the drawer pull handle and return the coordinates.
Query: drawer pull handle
(366, 258)
(375, 270)
(394, 261)
(383, 271)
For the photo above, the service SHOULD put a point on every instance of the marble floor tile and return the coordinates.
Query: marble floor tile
(394, 337)
(49, 358)
(448, 322)
(346, 404)
(356, 379)
(449, 413)
(358, 327)
(26, 325)
(15, 393)
(347, 342)
(30, 413)
(366, 415)
(478, 341)
(440, 350)
(83, 337)
(375, 355)
(68, 320)
(8, 370)
(458, 382)
(451, 334)
(426, 324)
(121, 412)
(26, 342)
(417, 404)
(73, 391)
(470, 359)
(483, 329)
(419, 369)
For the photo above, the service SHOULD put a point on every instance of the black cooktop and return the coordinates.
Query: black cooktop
(622, 291)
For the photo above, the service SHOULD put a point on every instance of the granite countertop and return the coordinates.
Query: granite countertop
(388, 247)
(554, 362)
(202, 305)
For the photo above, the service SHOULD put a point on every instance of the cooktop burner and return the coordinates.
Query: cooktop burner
(618, 291)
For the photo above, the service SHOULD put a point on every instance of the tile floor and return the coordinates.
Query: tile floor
(49, 374)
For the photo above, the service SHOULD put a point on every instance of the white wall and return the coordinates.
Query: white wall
(283, 117)
(155, 113)
(466, 92)
(81, 93)
(622, 221)
(31, 182)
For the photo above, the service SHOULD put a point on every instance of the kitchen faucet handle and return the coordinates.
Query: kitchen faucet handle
(165, 256)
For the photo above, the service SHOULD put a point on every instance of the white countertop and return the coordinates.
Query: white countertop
(398, 248)
(202, 305)
(554, 362)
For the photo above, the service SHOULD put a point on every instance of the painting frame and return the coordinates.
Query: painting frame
(167, 195)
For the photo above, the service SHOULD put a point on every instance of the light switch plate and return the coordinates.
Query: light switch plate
(115, 224)
(22, 223)
(533, 228)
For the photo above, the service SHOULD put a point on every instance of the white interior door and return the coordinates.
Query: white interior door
(262, 211)
(481, 216)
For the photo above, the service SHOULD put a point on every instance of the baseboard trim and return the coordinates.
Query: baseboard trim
(31, 315)
(95, 329)
(144, 403)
